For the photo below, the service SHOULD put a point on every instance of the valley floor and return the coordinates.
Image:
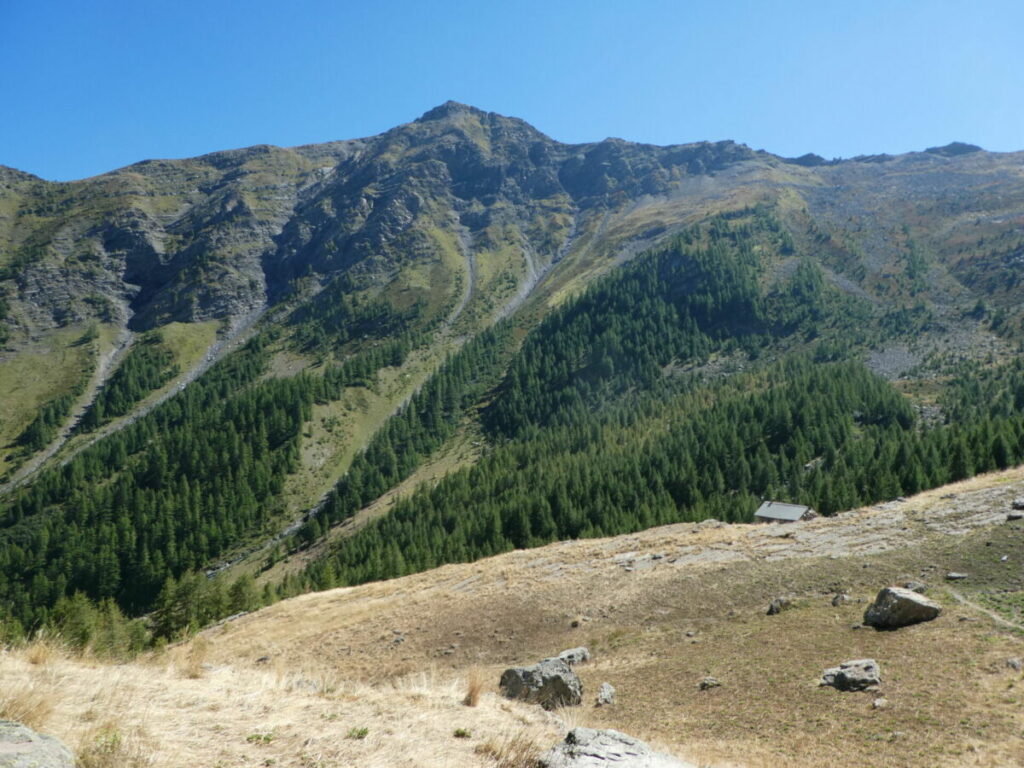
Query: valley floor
(293, 684)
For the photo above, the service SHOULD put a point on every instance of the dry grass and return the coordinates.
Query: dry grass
(515, 750)
(474, 687)
(108, 747)
(663, 608)
(44, 649)
(147, 714)
(26, 702)
(194, 660)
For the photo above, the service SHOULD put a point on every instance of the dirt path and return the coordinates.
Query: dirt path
(982, 609)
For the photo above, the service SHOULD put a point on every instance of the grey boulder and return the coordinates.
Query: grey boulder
(897, 607)
(589, 748)
(550, 683)
(21, 747)
(575, 655)
(856, 675)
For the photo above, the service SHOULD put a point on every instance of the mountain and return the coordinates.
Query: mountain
(336, 363)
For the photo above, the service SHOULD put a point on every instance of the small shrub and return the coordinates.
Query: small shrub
(260, 738)
(109, 748)
(357, 733)
(462, 733)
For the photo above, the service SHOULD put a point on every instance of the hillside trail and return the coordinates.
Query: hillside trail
(960, 598)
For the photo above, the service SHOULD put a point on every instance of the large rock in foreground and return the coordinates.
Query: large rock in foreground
(21, 747)
(856, 675)
(550, 683)
(587, 748)
(898, 607)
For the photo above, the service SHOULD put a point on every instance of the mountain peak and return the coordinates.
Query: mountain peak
(954, 148)
(446, 110)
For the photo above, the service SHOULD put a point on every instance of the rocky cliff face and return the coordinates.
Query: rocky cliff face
(475, 202)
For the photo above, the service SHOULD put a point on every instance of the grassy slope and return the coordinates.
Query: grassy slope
(655, 630)
(952, 699)
(37, 374)
(188, 342)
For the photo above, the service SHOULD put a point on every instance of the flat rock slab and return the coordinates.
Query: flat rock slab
(21, 747)
(896, 607)
(855, 675)
(589, 748)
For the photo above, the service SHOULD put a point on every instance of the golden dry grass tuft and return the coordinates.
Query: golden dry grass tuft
(27, 703)
(44, 649)
(515, 750)
(194, 657)
(474, 687)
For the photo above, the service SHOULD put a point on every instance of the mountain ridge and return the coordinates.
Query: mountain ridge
(299, 331)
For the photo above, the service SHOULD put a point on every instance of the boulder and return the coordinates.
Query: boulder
(1011, 516)
(1015, 663)
(1018, 503)
(856, 675)
(589, 748)
(955, 576)
(575, 656)
(900, 607)
(915, 586)
(605, 695)
(840, 599)
(550, 683)
(21, 747)
(779, 604)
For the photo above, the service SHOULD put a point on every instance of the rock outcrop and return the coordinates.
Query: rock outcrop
(897, 607)
(21, 747)
(550, 683)
(856, 675)
(589, 748)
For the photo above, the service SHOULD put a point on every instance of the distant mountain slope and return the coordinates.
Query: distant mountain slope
(217, 363)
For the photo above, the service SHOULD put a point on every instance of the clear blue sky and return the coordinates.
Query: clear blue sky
(90, 85)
